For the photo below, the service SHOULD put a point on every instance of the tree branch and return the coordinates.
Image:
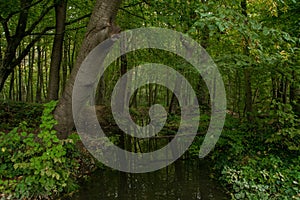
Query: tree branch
(39, 36)
(132, 5)
(78, 19)
(33, 26)
(5, 27)
(51, 28)
(26, 7)
(132, 14)
(76, 28)
(22, 21)
(22, 55)
(67, 24)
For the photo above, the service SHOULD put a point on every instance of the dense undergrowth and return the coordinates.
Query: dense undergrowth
(12, 113)
(260, 161)
(253, 161)
(35, 164)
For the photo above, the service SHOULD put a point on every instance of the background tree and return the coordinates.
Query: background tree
(17, 25)
(57, 49)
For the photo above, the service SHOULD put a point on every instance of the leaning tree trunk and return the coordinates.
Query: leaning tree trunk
(99, 29)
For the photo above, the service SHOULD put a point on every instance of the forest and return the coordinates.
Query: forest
(255, 46)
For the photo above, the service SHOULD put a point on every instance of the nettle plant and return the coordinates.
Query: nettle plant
(35, 163)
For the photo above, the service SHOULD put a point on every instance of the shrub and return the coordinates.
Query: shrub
(265, 177)
(286, 134)
(252, 170)
(37, 165)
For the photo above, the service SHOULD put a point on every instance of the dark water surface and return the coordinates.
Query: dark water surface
(183, 180)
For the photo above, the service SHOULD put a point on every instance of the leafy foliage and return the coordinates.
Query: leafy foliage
(256, 159)
(37, 165)
(250, 169)
(286, 132)
(264, 177)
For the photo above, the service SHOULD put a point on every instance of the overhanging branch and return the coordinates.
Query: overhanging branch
(33, 26)
(78, 19)
(25, 52)
(6, 29)
(16, 12)
(132, 14)
(67, 24)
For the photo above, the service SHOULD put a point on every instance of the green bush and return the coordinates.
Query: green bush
(251, 168)
(38, 164)
(285, 123)
(264, 177)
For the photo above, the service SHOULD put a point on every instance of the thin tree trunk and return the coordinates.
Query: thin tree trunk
(285, 90)
(248, 94)
(295, 93)
(100, 95)
(64, 65)
(274, 87)
(12, 86)
(20, 83)
(150, 101)
(174, 102)
(29, 95)
(45, 67)
(57, 50)
(72, 55)
(122, 94)
(247, 73)
(133, 102)
(39, 83)
(1, 57)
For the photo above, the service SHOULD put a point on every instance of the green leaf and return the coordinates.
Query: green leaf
(266, 31)
(220, 26)
(24, 134)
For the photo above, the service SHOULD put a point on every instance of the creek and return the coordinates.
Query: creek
(182, 180)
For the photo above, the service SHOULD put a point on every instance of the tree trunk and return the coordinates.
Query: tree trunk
(123, 95)
(29, 94)
(12, 87)
(247, 73)
(174, 101)
(100, 93)
(248, 95)
(295, 93)
(20, 83)
(39, 83)
(64, 65)
(57, 50)
(99, 29)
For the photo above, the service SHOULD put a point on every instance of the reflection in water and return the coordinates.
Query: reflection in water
(183, 180)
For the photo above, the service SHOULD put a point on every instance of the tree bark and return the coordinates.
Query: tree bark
(57, 50)
(99, 28)
(247, 73)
